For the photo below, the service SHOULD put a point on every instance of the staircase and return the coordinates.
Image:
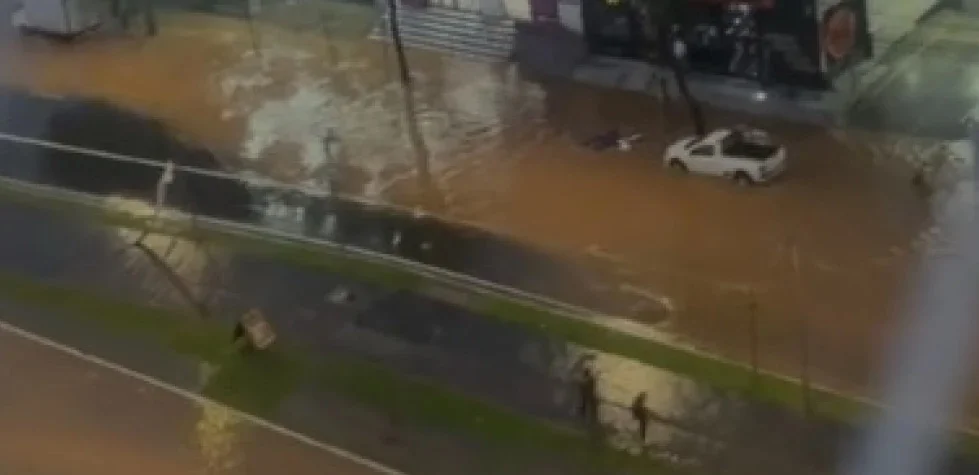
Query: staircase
(460, 32)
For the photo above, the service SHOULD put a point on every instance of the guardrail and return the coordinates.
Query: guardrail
(294, 210)
(453, 280)
(261, 200)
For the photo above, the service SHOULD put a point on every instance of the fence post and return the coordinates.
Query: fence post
(803, 336)
(166, 178)
(753, 336)
(664, 106)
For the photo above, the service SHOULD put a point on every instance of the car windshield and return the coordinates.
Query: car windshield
(748, 144)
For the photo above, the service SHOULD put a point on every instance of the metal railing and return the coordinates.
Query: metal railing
(259, 207)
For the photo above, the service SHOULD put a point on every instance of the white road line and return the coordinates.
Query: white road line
(378, 467)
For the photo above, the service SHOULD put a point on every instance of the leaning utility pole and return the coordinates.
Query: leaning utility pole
(399, 47)
(675, 52)
(432, 197)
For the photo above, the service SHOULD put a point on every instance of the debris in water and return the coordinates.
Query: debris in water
(341, 295)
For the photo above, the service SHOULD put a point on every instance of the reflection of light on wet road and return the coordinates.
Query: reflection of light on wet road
(927, 376)
(620, 380)
(70, 413)
(216, 435)
(186, 259)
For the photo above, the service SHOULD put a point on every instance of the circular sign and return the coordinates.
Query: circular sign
(839, 32)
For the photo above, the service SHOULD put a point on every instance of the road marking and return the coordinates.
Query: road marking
(197, 398)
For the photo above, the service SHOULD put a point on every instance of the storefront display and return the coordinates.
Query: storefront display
(838, 33)
(612, 27)
(801, 43)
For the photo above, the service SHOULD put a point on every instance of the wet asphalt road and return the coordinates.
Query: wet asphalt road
(930, 84)
(115, 424)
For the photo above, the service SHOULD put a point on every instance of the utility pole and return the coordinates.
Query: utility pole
(431, 196)
(399, 47)
(675, 51)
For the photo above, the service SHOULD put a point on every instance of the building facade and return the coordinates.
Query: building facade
(798, 43)
(803, 43)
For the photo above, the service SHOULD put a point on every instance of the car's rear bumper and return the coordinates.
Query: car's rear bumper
(774, 172)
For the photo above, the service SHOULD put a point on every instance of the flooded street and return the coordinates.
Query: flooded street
(820, 255)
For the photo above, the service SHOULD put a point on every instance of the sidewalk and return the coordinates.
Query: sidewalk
(890, 24)
(742, 95)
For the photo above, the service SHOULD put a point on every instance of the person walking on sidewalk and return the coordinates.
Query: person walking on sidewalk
(641, 414)
(588, 396)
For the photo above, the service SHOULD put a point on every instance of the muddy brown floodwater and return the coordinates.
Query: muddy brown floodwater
(506, 156)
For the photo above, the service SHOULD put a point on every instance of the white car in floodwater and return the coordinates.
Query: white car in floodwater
(746, 156)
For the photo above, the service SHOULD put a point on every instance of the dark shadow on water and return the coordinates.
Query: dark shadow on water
(101, 126)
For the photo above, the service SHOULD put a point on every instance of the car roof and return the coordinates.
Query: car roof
(718, 134)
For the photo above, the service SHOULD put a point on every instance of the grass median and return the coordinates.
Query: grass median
(258, 382)
(717, 372)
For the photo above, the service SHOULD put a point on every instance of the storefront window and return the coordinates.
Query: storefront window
(615, 25)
